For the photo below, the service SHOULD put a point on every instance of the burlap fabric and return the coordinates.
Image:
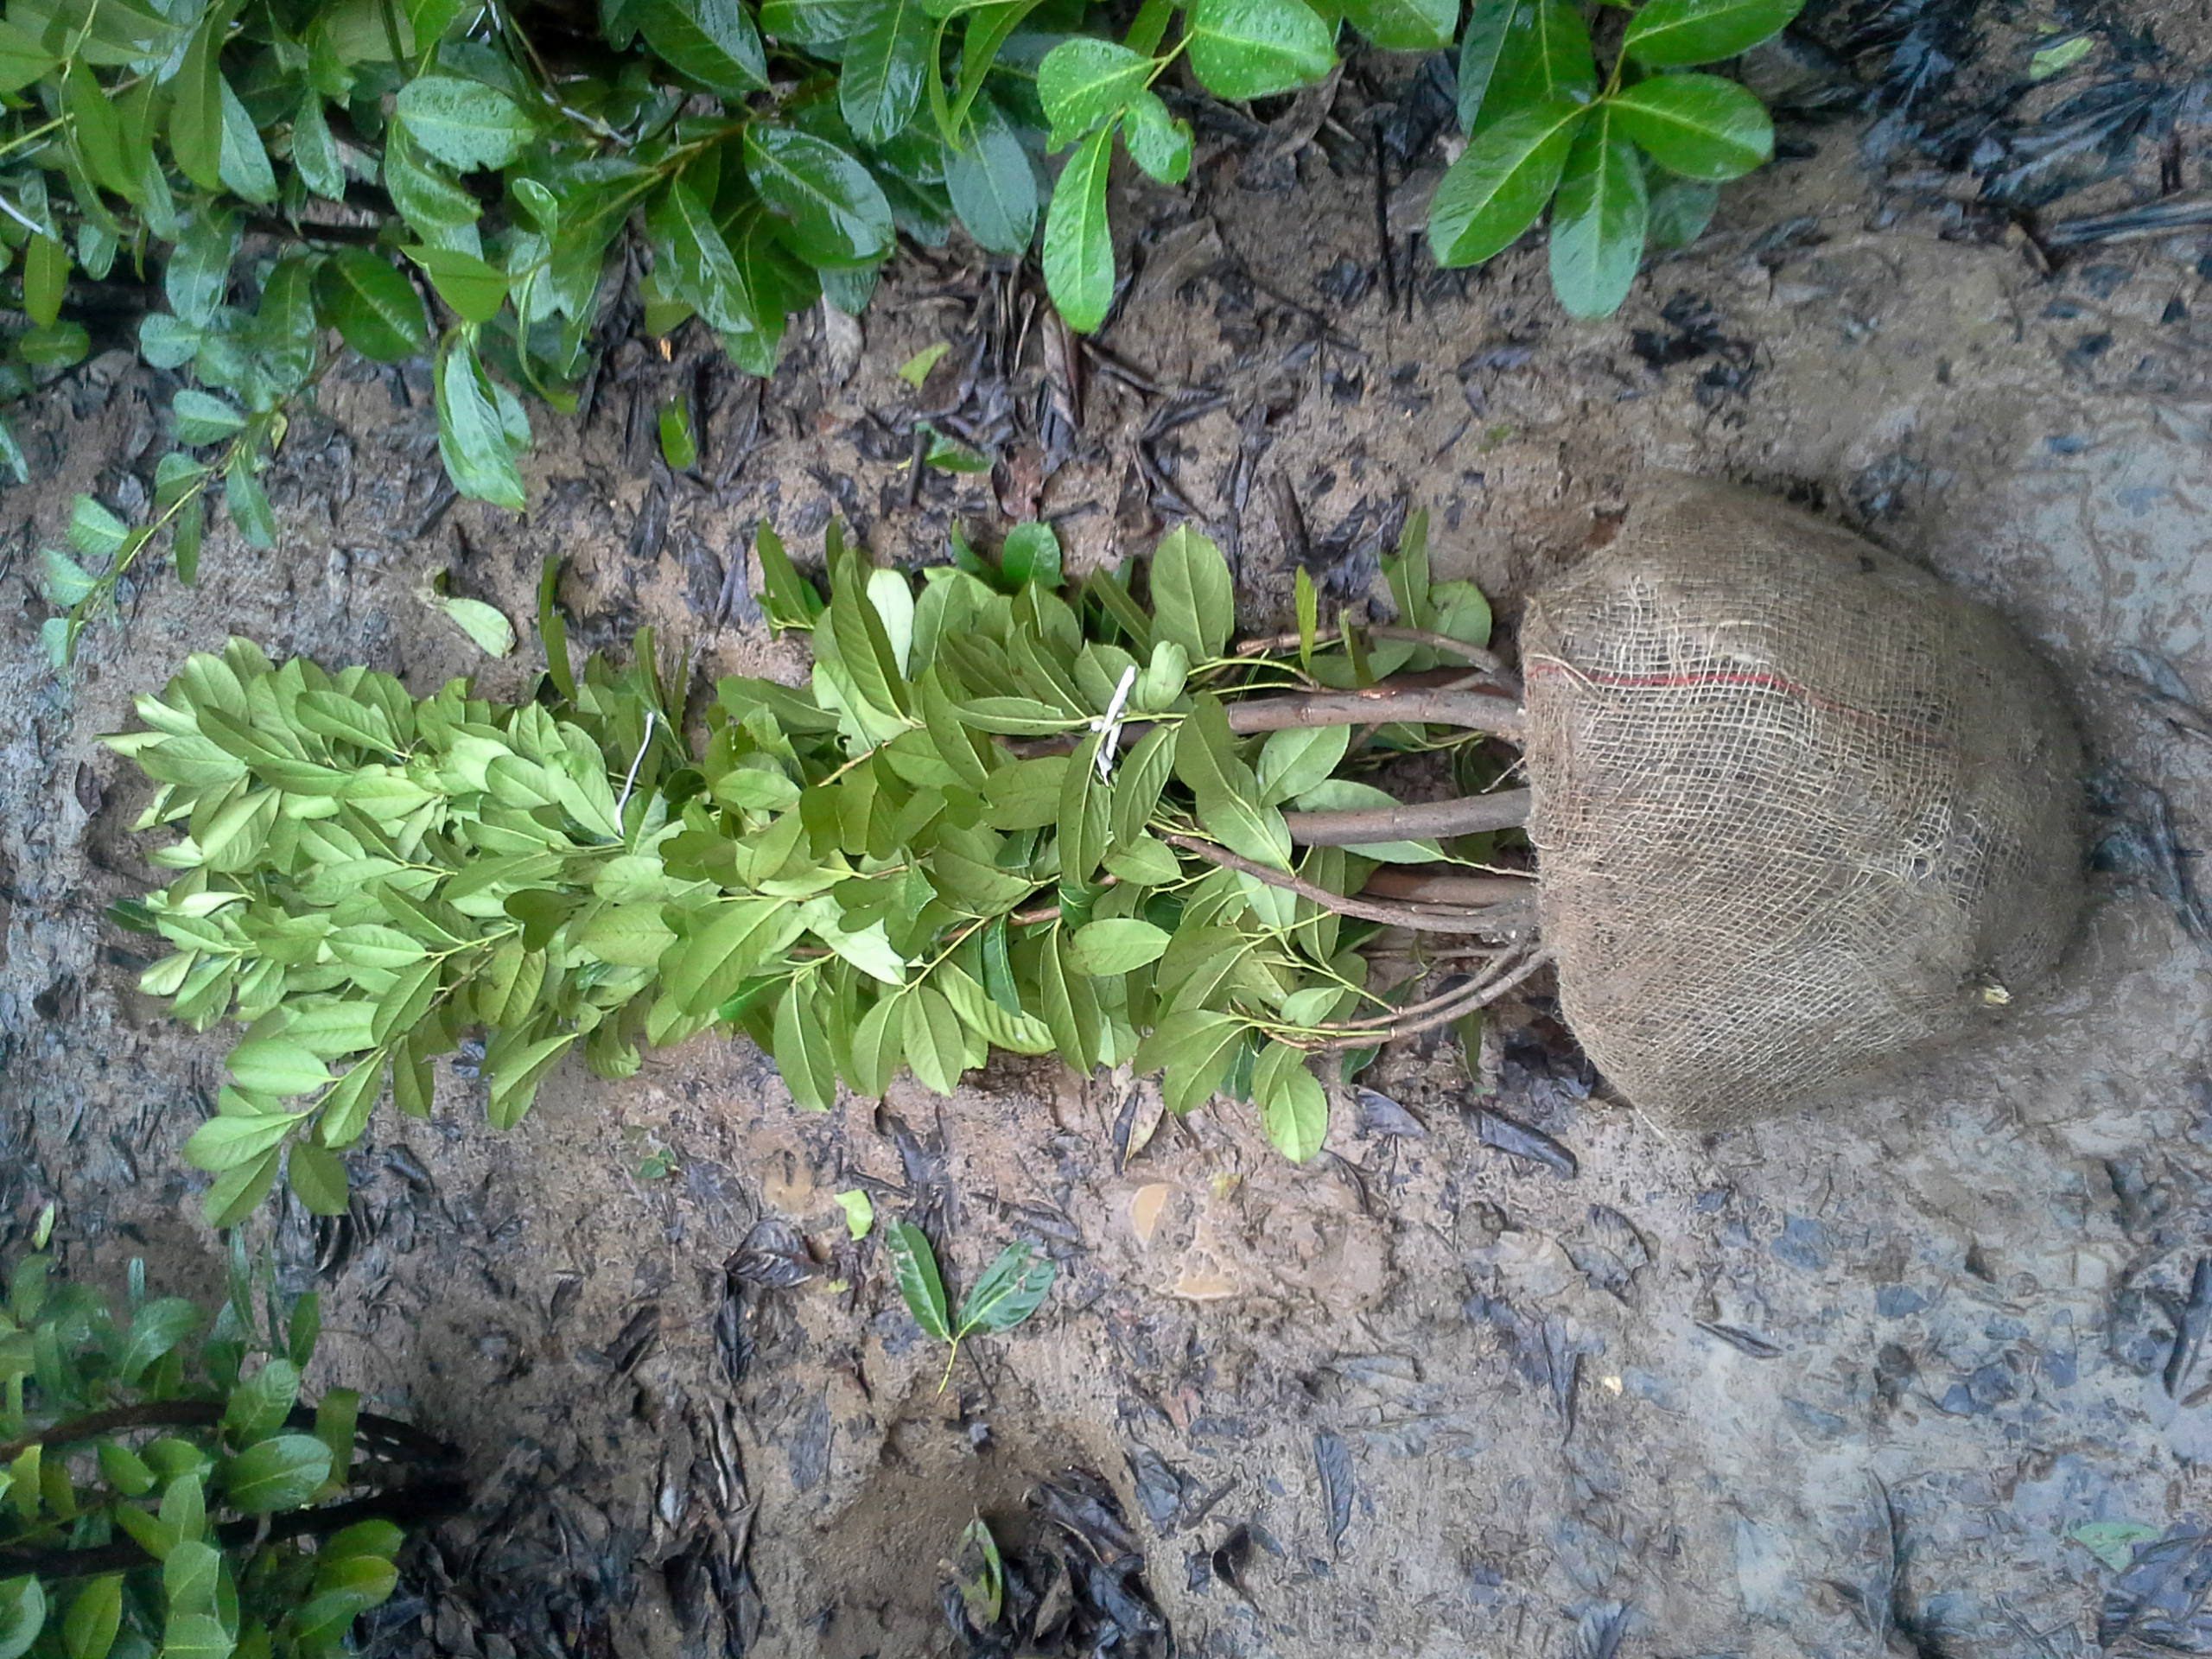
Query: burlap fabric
(1799, 807)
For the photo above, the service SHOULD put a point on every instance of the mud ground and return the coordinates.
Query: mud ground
(1826, 1386)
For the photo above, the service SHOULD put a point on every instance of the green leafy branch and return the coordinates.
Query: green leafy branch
(156, 1495)
(1006, 812)
(1007, 1292)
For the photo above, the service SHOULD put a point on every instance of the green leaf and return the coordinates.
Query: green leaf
(1144, 863)
(1404, 25)
(1108, 949)
(1254, 48)
(915, 1264)
(1012, 1288)
(1675, 33)
(22, 1615)
(465, 123)
(196, 114)
(1518, 57)
(192, 1577)
(1193, 1046)
(282, 1473)
(472, 439)
(701, 270)
(258, 1406)
(1292, 762)
(837, 213)
(981, 1574)
(88, 1630)
(372, 304)
(46, 278)
(471, 286)
(204, 419)
(23, 60)
(493, 634)
(94, 530)
(1071, 1007)
(1031, 553)
(58, 346)
(812, 23)
(315, 152)
(247, 504)
(2111, 1542)
(712, 41)
(1698, 126)
(931, 1039)
(1194, 600)
(1294, 1107)
(317, 1178)
(124, 1469)
(226, 1143)
(195, 1635)
(242, 163)
(156, 1327)
(274, 1065)
(993, 186)
(1230, 808)
(859, 1212)
(1599, 221)
(802, 1049)
(677, 446)
(67, 581)
(1084, 82)
(1157, 141)
(1078, 243)
(880, 79)
(1680, 209)
(1499, 185)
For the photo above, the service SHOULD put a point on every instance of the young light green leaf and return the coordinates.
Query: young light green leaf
(465, 123)
(859, 1212)
(1294, 1107)
(1012, 1288)
(1698, 126)
(1676, 33)
(1254, 48)
(1084, 82)
(1078, 243)
(368, 300)
(915, 1264)
(1308, 601)
(1157, 141)
(837, 213)
(1499, 185)
(1599, 221)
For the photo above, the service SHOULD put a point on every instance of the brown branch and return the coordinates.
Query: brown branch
(1474, 656)
(1414, 697)
(1470, 815)
(1480, 711)
(1480, 996)
(1411, 884)
(405, 1506)
(379, 1433)
(1429, 918)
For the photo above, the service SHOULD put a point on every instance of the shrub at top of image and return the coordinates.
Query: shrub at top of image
(478, 180)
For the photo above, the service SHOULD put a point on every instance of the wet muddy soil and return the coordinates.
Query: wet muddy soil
(1829, 1385)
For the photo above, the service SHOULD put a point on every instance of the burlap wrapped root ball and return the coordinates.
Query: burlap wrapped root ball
(1799, 808)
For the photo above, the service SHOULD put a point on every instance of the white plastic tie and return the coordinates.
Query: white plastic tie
(1109, 725)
